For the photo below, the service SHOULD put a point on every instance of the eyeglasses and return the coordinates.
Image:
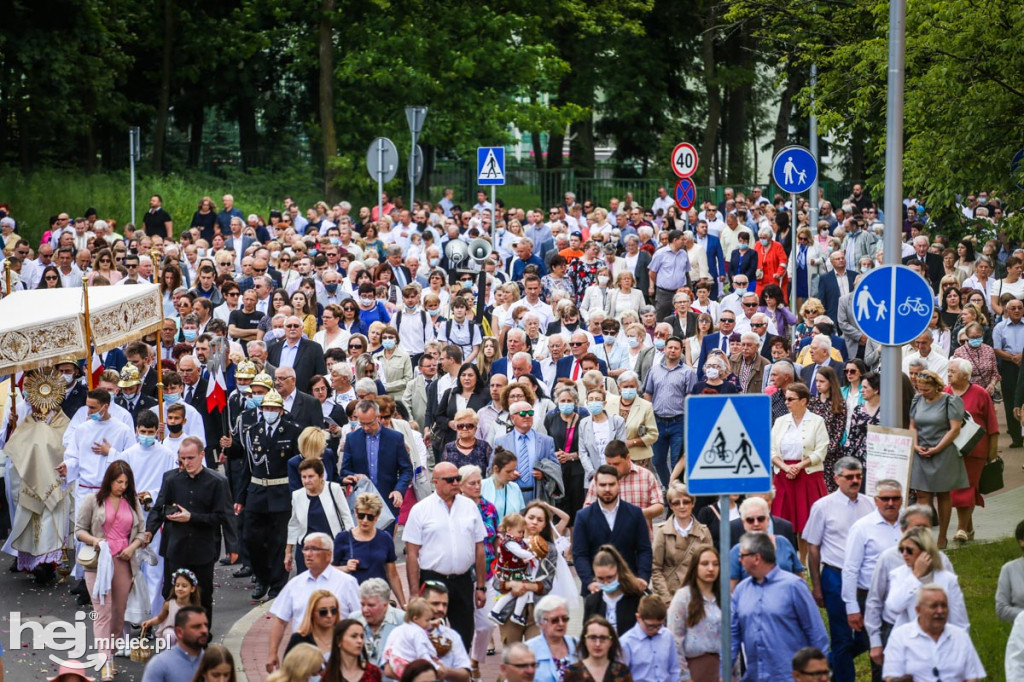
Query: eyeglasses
(681, 502)
(852, 477)
(852, 371)
(749, 305)
(727, 320)
(792, 400)
(758, 326)
(908, 550)
(450, 479)
(889, 499)
(315, 549)
(50, 278)
(557, 619)
(329, 611)
(465, 427)
(577, 344)
(525, 413)
(755, 519)
(230, 293)
(744, 555)
(366, 516)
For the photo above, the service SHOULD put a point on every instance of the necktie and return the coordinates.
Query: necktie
(575, 370)
(523, 462)
(188, 394)
(725, 343)
(814, 384)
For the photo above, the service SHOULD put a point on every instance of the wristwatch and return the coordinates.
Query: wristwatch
(481, 589)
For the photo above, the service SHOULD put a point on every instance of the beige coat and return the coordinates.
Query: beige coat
(642, 414)
(814, 434)
(92, 516)
(673, 555)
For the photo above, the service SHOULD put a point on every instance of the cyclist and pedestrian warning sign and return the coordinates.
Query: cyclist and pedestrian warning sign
(728, 444)
(893, 305)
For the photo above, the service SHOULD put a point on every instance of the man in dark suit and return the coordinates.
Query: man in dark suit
(718, 340)
(743, 261)
(400, 274)
(130, 397)
(379, 454)
(516, 340)
(194, 393)
(192, 535)
(821, 348)
(628, 532)
(641, 270)
(716, 257)
(756, 517)
(305, 356)
(829, 289)
(932, 267)
(303, 409)
(579, 347)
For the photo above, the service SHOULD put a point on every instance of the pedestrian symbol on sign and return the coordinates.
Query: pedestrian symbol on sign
(864, 303)
(728, 450)
(719, 456)
(790, 168)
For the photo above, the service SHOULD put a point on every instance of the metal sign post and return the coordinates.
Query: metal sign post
(415, 116)
(724, 592)
(382, 164)
(134, 154)
(892, 381)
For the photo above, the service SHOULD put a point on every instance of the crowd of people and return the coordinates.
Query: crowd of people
(526, 441)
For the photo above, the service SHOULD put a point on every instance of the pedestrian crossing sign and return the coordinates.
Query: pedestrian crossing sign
(728, 444)
(490, 165)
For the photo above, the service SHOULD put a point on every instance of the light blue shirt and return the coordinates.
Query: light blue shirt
(372, 454)
(1008, 337)
(550, 670)
(650, 658)
(671, 267)
(288, 354)
(525, 442)
(172, 665)
(772, 620)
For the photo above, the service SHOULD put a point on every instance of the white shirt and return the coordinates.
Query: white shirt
(911, 651)
(888, 561)
(117, 414)
(869, 537)
(542, 309)
(610, 514)
(935, 362)
(290, 605)
(902, 598)
(830, 521)
(149, 466)
(447, 538)
(83, 464)
(193, 420)
(1015, 650)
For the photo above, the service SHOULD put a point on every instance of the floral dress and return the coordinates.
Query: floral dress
(856, 439)
(583, 275)
(616, 672)
(490, 516)
(835, 424)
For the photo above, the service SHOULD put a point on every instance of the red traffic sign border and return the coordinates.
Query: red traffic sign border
(675, 153)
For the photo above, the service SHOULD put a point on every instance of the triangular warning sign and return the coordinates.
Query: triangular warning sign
(729, 450)
(491, 169)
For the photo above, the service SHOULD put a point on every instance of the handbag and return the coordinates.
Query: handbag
(88, 557)
(991, 478)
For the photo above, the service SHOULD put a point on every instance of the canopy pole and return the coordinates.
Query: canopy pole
(88, 335)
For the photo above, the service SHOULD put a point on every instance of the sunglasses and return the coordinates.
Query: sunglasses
(450, 479)
(50, 278)
(852, 371)
(889, 499)
(755, 519)
(758, 326)
(792, 400)
(465, 427)
(727, 320)
(525, 413)
(329, 611)
(366, 516)
(558, 619)
(908, 550)
(577, 343)
(749, 305)
(852, 477)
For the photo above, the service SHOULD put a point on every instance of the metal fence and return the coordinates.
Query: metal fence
(531, 187)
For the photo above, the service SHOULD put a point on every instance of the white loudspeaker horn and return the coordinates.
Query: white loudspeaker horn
(479, 249)
(457, 251)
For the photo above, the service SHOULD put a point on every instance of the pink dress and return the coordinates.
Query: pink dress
(117, 528)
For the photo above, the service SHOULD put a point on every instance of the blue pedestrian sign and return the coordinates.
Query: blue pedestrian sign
(794, 169)
(490, 165)
(728, 444)
(893, 305)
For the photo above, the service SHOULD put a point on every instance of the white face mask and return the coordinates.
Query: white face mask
(711, 372)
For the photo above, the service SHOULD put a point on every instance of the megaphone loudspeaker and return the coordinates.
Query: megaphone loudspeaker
(479, 250)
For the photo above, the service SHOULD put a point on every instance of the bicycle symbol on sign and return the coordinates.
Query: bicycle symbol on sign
(912, 305)
(719, 456)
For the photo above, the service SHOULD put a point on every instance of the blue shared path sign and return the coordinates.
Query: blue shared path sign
(794, 169)
(490, 165)
(728, 444)
(893, 305)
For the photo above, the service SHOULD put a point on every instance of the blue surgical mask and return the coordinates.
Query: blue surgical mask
(367, 302)
(632, 341)
(146, 441)
(610, 587)
(659, 344)
(864, 269)
(739, 288)
(435, 312)
(95, 416)
(171, 398)
(628, 394)
(190, 334)
(335, 241)
(331, 288)
(976, 343)
(252, 402)
(467, 284)
(566, 408)
(389, 344)
(271, 416)
(743, 246)
(501, 230)
(434, 261)
(766, 242)
(595, 407)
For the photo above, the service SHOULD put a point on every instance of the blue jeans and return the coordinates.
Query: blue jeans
(846, 644)
(669, 446)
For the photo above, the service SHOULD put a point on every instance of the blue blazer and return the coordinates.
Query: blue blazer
(564, 367)
(630, 536)
(710, 343)
(394, 467)
(716, 258)
(745, 264)
(500, 366)
(545, 450)
(828, 293)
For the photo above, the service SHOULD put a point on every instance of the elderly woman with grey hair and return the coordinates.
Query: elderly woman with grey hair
(553, 647)
(638, 413)
(771, 262)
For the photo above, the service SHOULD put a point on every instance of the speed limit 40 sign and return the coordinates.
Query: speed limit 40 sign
(684, 160)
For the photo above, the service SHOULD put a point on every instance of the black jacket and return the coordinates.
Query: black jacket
(207, 499)
(143, 403)
(625, 610)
